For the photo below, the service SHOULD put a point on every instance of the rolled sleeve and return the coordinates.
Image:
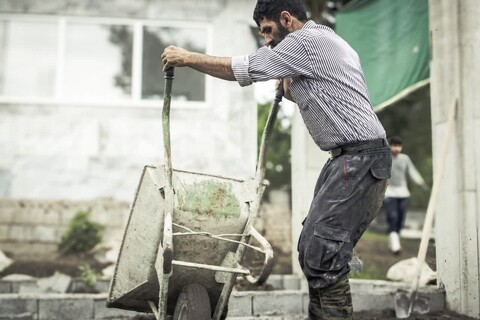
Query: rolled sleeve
(240, 70)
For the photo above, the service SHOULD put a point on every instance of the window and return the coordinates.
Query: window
(98, 61)
(28, 58)
(191, 86)
(95, 60)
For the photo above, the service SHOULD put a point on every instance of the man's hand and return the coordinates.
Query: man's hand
(174, 57)
(219, 67)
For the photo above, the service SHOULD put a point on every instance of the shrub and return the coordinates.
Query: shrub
(81, 236)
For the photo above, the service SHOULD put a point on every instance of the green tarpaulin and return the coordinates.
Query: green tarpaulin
(391, 38)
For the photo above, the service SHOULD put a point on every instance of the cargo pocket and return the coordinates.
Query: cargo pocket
(381, 169)
(325, 253)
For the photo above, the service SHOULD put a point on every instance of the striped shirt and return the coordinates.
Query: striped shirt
(327, 84)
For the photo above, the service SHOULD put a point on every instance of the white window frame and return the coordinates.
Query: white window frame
(137, 26)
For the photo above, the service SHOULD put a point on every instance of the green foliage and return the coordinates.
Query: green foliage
(278, 170)
(81, 236)
(88, 275)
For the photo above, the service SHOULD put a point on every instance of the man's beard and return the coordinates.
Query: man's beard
(278, 36)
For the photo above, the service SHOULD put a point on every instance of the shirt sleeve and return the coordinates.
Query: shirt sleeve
(288, 59)
(240, 70)
(413, 173)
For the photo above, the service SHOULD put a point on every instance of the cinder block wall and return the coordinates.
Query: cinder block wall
(32, 229)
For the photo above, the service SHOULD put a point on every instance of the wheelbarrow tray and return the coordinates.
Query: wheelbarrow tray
(203, 203)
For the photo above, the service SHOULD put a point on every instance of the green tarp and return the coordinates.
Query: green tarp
(391, 38)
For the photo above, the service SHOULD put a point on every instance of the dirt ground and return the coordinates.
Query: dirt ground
(373, 250)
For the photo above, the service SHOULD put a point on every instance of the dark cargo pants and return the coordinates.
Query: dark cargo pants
(347, 197)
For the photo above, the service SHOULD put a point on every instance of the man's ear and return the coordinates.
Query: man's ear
(286, 19)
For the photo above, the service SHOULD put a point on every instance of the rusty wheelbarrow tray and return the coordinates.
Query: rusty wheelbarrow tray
(186, 236)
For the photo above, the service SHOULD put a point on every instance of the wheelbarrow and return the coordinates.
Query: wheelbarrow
(186, 236)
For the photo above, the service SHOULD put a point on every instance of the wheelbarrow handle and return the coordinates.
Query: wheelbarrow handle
(267, 263)
(169, 193)
(169, 76)
(262, 154)
(170, 73)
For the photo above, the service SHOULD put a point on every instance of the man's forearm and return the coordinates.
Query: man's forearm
(219, 67)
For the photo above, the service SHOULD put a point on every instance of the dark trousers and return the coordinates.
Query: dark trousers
(395, 211)
(347, 197)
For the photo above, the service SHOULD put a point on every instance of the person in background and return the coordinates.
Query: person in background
(397, 194)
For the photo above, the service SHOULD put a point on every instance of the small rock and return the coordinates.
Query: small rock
(405, 271)
(5, 261)
(59, 283)
(18, 277)
(106, 252)
(107, 273)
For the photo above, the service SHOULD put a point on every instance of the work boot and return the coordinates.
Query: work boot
(336, 301)
(394, 242)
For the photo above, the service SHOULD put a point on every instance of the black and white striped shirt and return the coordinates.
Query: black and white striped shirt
(328, 84)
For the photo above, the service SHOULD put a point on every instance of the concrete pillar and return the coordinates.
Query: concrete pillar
(307, 161)
(455, 74)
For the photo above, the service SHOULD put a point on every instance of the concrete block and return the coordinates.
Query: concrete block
(57, 308)
(23, 316)
(258, 318)
(6, 214)
(305, 302)
(29, 288)
(44, 233)
(77, 285)
(13, 304)
(5, 287)
(102, 312)
(20, 233)
(240, 304)
(376, 300)
(291, 282)
(278, 302)
(35, 212)
(3, 231)
(276, 281)
(17, 285)
(102, 285)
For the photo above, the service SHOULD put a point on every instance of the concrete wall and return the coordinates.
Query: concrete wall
(80, 152)
(455, 74)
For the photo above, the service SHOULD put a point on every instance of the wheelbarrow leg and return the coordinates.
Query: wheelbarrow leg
(223, 300)
(163, 265)
(160, 313)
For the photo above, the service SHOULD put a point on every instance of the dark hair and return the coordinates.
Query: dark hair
(395, 140)
(271, 9)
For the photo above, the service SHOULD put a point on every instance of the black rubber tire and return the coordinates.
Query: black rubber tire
(193, 303)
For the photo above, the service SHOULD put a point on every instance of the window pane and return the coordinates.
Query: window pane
(28, 56)
(98, 61)
(189, 84)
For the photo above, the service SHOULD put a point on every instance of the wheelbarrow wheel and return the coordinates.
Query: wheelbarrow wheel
(193, 304)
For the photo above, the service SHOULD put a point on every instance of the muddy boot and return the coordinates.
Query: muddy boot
(336, 301)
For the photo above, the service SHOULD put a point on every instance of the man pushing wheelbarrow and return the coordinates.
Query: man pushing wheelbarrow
(322, 74)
